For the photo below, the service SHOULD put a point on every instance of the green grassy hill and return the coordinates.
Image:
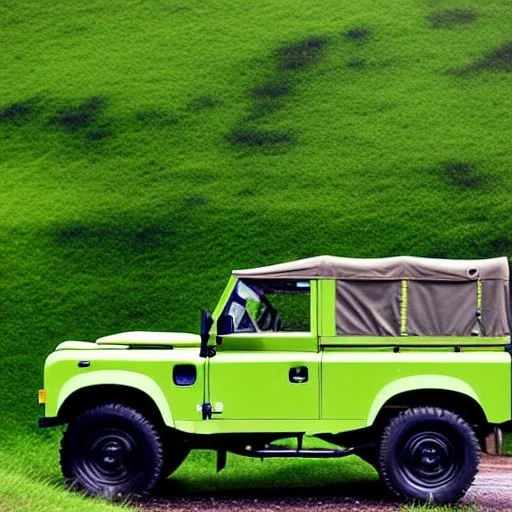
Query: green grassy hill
(149, 148)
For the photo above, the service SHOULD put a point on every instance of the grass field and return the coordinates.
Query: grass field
(149, 148)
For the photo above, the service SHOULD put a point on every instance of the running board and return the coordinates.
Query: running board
(291, 453)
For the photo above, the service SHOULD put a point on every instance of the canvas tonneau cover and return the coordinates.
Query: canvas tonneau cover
(397, 267)
(408, 296)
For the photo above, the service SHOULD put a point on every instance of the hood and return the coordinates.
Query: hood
(174, 339)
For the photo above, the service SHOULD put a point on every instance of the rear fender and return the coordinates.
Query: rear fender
(418, 383)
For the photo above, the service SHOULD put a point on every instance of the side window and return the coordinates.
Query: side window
(270, 306)
(294, 310)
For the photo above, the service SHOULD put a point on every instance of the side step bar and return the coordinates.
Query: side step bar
(296, 453)
(275, 451)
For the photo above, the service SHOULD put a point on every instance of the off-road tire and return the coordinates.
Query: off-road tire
(428, 454)
(112, 451)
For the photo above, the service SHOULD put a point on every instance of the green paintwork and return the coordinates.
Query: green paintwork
(154, 339)
(412, 341)
(350, 378)
(369, 379)
(429, 381)
(147, 370)
(327, 307)
(87, 345)
(314, 308)
(270, 342)
(121, 378)
(224, 298)
(309, 427)
(262, 390)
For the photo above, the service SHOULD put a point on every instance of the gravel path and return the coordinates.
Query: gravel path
(492, 490)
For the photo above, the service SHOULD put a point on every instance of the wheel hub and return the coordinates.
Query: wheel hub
(430, 456)
(110, 457)
(112, 454)
(429, 459)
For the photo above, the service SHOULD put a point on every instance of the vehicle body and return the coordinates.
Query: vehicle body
(410, 347)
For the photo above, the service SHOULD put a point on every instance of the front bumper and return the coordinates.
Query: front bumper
(49, 422)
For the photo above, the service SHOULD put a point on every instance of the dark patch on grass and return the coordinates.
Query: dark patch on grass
(80, 116)
(356, 64)
(151, 237)
(70, 234)
(450, 18)
(203, 103)
(194, 201)
(263, 108)
(101, 239)
(272, 90)
(499, 59)
(267, 98)
(302, 54)
(496, 60)
(270, 96)
(260, 137)
(358, 34)
(462, 175)
(157, 117)
(18, 111)
(97, 135)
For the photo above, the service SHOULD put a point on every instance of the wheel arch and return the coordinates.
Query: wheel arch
(435, 390)
(129, 388)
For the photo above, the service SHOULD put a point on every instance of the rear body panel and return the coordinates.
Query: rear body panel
(368, 379)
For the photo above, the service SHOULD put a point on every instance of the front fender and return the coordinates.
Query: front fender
(122, 378)
(416, 383)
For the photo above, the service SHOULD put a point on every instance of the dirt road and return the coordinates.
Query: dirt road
(492, 490)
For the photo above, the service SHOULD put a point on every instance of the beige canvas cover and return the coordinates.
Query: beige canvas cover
(408, 295)
(397, 267)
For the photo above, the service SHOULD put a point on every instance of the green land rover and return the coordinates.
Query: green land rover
(404, 362)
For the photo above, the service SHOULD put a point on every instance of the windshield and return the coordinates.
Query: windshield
(250, 311)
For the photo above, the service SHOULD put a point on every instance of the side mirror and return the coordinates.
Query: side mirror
(225, 325)
(206, 324)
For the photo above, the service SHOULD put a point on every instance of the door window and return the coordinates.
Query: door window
(270, 306)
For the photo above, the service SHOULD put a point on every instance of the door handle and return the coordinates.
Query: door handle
(298, 375)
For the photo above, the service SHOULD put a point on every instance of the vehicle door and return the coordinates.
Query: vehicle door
(268, 368)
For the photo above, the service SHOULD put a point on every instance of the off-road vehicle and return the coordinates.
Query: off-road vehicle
(404, 362)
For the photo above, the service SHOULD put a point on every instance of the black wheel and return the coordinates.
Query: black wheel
(111, 450)
(428, 454)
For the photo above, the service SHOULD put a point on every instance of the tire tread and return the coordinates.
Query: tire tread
(420, 412)
(120, 411)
